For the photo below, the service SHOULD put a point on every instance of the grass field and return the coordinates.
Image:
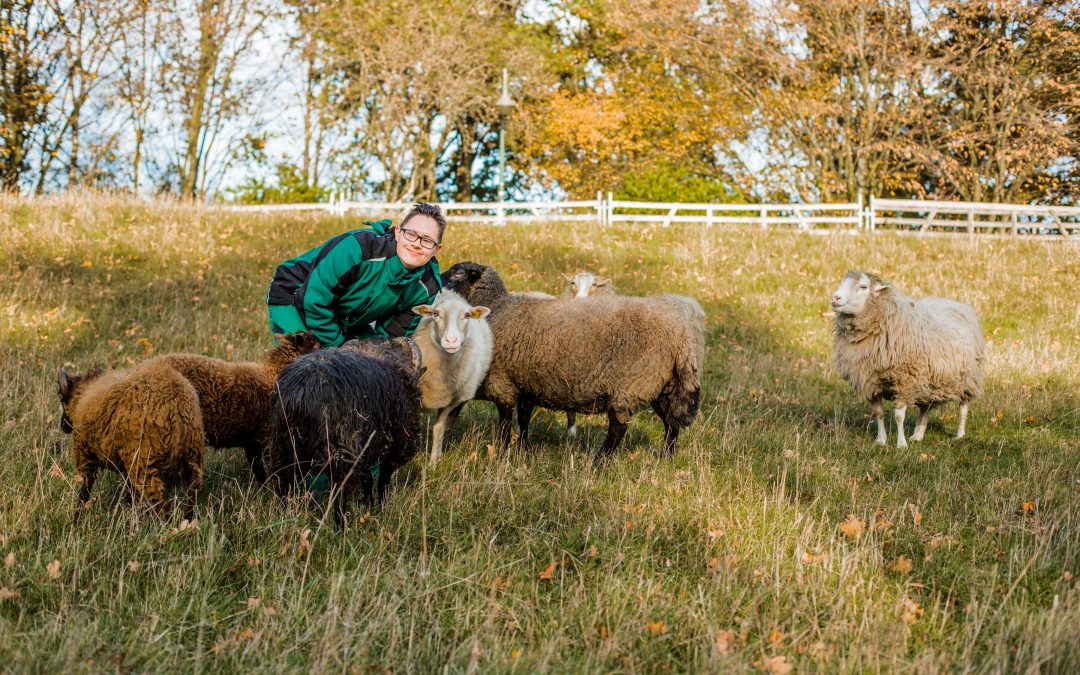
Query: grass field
(779, 538)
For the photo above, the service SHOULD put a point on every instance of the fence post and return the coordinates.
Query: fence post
(599, 208)
(1012, 221)
(859, 211)
(762, 216)
(610, 208)
(708, 217)
(873, 214)
(971, 221)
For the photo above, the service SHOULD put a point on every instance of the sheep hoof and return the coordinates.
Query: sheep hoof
(881, 440)
(901, 444)
(571, 432)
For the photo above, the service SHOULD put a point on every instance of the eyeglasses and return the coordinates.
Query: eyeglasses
(413, 236)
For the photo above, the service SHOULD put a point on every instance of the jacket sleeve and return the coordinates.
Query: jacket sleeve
(342, 267)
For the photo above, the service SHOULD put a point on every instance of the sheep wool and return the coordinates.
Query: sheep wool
(144, 423)
(234, 396)
(913, 352)
(350, 413)
(613, 354)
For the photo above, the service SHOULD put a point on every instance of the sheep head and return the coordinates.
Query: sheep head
(584, 284)
(69, 388)
(290, 347)
(450, 316)
(462, 276)
(855, 290)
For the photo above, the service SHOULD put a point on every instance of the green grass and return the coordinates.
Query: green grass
(725, 558)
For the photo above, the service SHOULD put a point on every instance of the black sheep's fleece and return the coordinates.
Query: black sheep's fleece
(352, 415)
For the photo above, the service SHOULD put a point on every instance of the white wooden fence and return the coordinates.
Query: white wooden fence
(900, 215)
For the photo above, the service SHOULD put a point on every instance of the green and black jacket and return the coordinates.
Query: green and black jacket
(352, 280)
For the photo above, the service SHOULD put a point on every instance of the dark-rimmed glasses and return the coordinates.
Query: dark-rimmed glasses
(412, 236)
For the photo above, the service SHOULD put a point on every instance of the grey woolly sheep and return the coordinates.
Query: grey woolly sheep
(350, 413)
(144, 423)
(914, 352)
(235, 396)
(602, 354)
(455, 342)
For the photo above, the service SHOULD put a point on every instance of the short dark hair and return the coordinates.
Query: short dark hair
(431, 211)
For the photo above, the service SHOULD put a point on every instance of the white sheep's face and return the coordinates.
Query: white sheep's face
(452, 322)
(852, 294)
(584, 284)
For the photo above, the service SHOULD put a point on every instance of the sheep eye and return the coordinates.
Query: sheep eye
(863, 287)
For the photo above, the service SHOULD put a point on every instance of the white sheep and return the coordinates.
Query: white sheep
(456, 345)
(921, 352)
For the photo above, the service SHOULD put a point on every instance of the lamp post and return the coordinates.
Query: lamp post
(505, 104)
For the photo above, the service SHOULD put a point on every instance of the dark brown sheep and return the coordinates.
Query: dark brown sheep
(144, 423)
(235, 396)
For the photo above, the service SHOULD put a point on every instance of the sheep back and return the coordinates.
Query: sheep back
(343, 412)
(145, 422)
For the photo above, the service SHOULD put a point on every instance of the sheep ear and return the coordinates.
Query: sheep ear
(566, 276)
(278, 337)
(601, 281)
(881, 286)
(65, 384)
(479, 312)
(423, 310)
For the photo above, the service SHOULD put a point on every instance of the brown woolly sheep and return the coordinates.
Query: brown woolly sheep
(235, 396)
(601, 354)
(144, 423)
(922, 352)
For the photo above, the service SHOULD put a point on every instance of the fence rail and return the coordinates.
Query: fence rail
(901, 215)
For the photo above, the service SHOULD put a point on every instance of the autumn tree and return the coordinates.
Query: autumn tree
(28, 62)
(636, 93)
(419, 88)
(1004, 123)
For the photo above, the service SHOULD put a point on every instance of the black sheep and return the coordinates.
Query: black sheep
(351, 414)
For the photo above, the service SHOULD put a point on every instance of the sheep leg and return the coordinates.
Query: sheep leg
(960, 430)
(254, 452)
(879, 415)
(617, 422)
(524, 417)
(899, 410)
(89, 475)
(150, 486)
(920, 425)
(443, 423)
(671, 431)
(194, 484)
(506, 421)
(571, 424)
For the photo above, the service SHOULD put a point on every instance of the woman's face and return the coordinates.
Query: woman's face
(414, 254)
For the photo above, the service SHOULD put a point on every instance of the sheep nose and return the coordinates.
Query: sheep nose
(450, 340)
(836, 299)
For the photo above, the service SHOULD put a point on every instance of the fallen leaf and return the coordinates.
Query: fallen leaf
(9, 560)
(134, 566)
(514, 653)
(724, 642)
(305, 542)
(916, 515)
(1028, 507)
(902, 565)
(53, 569)
(910, 611)
(55, 471)
(657, 627)
(548, 572)
(7, 594)
(776, 637)
(777, 665)
(853, 527)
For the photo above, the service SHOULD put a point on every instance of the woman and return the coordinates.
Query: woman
(362, 283)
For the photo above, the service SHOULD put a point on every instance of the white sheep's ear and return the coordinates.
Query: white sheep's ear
(479, 312)
(424, 310)
(566, 276)
(880, 286)
(601, 281)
